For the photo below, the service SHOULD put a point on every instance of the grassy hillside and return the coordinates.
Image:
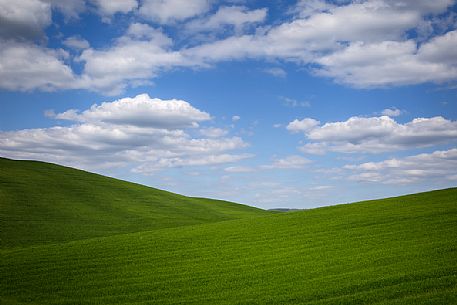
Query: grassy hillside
(47, 203)
(393, 251)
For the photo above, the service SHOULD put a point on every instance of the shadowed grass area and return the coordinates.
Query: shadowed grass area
(47, 203)
(392, 251)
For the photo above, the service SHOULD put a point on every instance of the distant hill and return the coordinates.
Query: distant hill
(47, 203)
(284, 210)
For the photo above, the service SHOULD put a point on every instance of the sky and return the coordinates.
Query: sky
(294, 104)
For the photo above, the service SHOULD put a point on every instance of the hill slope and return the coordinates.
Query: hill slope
(47, 203)
(393, 251)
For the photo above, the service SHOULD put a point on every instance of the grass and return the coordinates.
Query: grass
(47, 203)
(392, 251)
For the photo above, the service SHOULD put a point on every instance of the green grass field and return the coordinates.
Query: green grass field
(393, 251)
(47, 203)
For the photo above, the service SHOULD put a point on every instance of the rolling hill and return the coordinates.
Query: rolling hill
(392, 251)
(48, 203)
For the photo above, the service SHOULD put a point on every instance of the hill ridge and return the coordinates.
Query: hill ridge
(45, 202)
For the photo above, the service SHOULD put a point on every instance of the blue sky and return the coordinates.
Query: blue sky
(274, 104)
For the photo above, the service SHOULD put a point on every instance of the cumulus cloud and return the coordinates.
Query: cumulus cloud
(25, 66)
(439, 165)
(236, 118)
(392, 112)
(141, 111)
(167, 11)
(323, 31)
(303, 125)
(24, 19)
(235, 16)
(361, 44)
(142, 31)
(374, 134)
(440, 49)
(140, 132)
(391, 63)
(137, 56)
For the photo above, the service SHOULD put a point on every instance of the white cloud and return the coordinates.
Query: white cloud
(111, 7)
(440, 50)
(137, 132)
(439, 165)
(236, 16)
(76, 42)
(167, 11)
(143, 52)
(24, 19)
(290, 162)
(235, 47)
(392, 112)
(24, 66)
(141, 111)
(137, 56)
(142, 31)
(361, 44)
(301, 38)
(304, 125)
(360, 21)
(134, 58)
(236, 118)
(374, 134)
(391, 63)
(213, 132)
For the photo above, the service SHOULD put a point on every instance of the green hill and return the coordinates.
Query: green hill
(392, 251)
(47, 203)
